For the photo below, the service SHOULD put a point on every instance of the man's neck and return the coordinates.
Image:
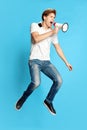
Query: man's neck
(45, 25)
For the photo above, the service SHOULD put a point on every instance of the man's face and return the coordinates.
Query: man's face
(49, 19)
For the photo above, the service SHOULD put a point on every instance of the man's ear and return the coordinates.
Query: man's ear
(44, 17)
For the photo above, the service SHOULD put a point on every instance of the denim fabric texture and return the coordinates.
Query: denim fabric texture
(36, 67)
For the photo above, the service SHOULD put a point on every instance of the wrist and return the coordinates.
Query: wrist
(66, 63)
(53, 32)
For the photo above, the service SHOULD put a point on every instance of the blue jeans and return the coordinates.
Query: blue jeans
(36, 66)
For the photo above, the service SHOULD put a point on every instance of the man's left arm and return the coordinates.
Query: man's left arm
(62, 56)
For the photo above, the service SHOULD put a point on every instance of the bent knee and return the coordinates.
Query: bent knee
(59, 81)
(36, 83)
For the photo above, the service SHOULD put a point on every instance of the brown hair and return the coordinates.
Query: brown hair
(47, 12)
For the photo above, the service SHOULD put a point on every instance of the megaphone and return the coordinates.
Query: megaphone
(64, 27)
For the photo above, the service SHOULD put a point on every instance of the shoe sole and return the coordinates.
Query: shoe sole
(49, 110)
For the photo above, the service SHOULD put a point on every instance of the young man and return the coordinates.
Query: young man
(42, 36)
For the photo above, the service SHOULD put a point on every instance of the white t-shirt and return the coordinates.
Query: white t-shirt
(41, 50)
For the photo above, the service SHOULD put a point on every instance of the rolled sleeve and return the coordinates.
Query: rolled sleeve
(34, 27)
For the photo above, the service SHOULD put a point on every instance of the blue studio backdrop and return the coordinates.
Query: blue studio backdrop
(71, 101)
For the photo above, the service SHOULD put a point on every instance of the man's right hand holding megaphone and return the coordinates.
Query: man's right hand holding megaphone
(64, 27)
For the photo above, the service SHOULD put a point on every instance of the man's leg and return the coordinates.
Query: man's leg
(54, 75)
(35, 81)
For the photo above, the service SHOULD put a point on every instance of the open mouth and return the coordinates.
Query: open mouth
(51, 22)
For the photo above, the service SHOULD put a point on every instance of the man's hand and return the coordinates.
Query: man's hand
(69, 66)
(55, 30)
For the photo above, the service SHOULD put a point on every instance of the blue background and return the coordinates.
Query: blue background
(71, 101)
